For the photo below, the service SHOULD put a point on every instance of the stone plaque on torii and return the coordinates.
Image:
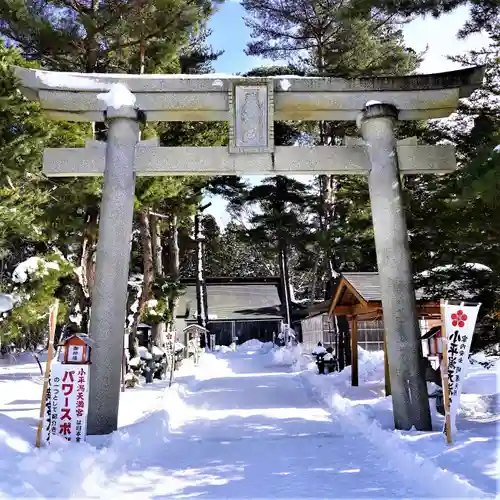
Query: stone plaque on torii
(251, 105)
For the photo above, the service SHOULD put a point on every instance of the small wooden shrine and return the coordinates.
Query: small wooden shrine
(358, 296)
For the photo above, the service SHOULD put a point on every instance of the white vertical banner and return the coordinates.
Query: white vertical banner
(459, 322)
(69, 401)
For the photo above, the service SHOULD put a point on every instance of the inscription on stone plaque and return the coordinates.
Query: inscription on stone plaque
(251, 117)
(250, 124)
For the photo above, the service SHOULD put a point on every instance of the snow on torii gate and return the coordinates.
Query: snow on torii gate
(250, 105)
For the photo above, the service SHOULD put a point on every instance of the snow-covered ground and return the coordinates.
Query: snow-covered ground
(255, 422)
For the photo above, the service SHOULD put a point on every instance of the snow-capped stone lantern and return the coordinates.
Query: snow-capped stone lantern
(77, 349)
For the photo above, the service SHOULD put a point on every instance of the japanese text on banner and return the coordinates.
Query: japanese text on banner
(459, 322)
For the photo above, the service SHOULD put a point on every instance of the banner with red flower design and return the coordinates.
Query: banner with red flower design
(459, 324)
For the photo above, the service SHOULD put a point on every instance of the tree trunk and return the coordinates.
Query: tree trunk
(158, 330)
(288, 285)
(282, 248)
(330, 201)
(200, 301)
(344, 354)
(87, 265)
(174, 248)
(92, 216)
(283, 268)
(314, 280)
(204, 281)
(147, 259)
(174, 268)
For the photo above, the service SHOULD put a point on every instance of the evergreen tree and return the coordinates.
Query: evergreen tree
(341, 39)
(278, 224)
(452, 219)
(103, 36)
(484, 14)
(28, 227)
(230, 255)
(345, 39)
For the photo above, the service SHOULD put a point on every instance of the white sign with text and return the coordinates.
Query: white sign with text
(68, 406)
(459, 323)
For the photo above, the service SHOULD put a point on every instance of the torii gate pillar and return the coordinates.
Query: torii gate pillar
(109, 294)
(404, 349)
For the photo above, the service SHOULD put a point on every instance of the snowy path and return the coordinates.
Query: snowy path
(258, 432)
(238, 427)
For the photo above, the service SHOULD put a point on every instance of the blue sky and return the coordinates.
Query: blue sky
(230, 34)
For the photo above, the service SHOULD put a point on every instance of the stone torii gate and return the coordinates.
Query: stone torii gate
(250, 105)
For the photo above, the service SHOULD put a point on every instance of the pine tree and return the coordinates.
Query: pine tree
(345, 39)
(104, 36)
(26, 194)
(341, 39)
(231, 255)
(27, 226)
(277, 225)
(484, 14)
(453, 218)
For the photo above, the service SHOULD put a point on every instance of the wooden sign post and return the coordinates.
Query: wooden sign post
(50, 354)
(444, 376)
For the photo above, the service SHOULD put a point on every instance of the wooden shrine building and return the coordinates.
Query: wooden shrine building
(358, 297)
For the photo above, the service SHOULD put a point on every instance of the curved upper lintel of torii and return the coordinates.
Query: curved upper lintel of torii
(73, 96)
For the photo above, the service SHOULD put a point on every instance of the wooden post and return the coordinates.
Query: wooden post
(354, 352)
(50, 353)
(444, 377)
(387, 378)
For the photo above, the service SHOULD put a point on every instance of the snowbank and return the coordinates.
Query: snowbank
(285, 356)
(211, 366)
(223, 348)
(468, 468)
(151, 416)
(290, 357)
(148, 415)
(252, 344)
